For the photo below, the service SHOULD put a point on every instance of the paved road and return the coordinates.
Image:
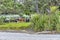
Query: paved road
(24, 36)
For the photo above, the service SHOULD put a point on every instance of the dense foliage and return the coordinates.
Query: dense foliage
(28, 7)
(45, 22)
(46, 13)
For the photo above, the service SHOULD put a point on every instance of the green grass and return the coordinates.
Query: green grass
(15, 26)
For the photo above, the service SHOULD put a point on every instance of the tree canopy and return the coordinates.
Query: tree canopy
(28, 7)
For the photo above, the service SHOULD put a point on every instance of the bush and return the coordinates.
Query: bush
(2, 20)
(53, 21)
(37, 22)
(43, 22)
(53, 9)
(58, 23)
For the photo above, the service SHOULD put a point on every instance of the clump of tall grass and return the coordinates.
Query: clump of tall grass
(44, 22)
(58, 22)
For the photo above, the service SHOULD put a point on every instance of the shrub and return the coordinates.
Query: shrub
(53, 9)
(41, 22)
(34, 21)
(53, 21)
(2, 20)
(58, 22)
(37, 22)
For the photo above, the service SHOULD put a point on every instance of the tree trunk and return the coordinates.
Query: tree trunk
(37, 9)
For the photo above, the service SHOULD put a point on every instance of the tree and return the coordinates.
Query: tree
(9, 6)
(28, 7)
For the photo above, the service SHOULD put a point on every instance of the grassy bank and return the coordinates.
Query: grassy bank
(15, 26)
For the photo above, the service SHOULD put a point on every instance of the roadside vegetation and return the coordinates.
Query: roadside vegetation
(45, 22)
(37, 15)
